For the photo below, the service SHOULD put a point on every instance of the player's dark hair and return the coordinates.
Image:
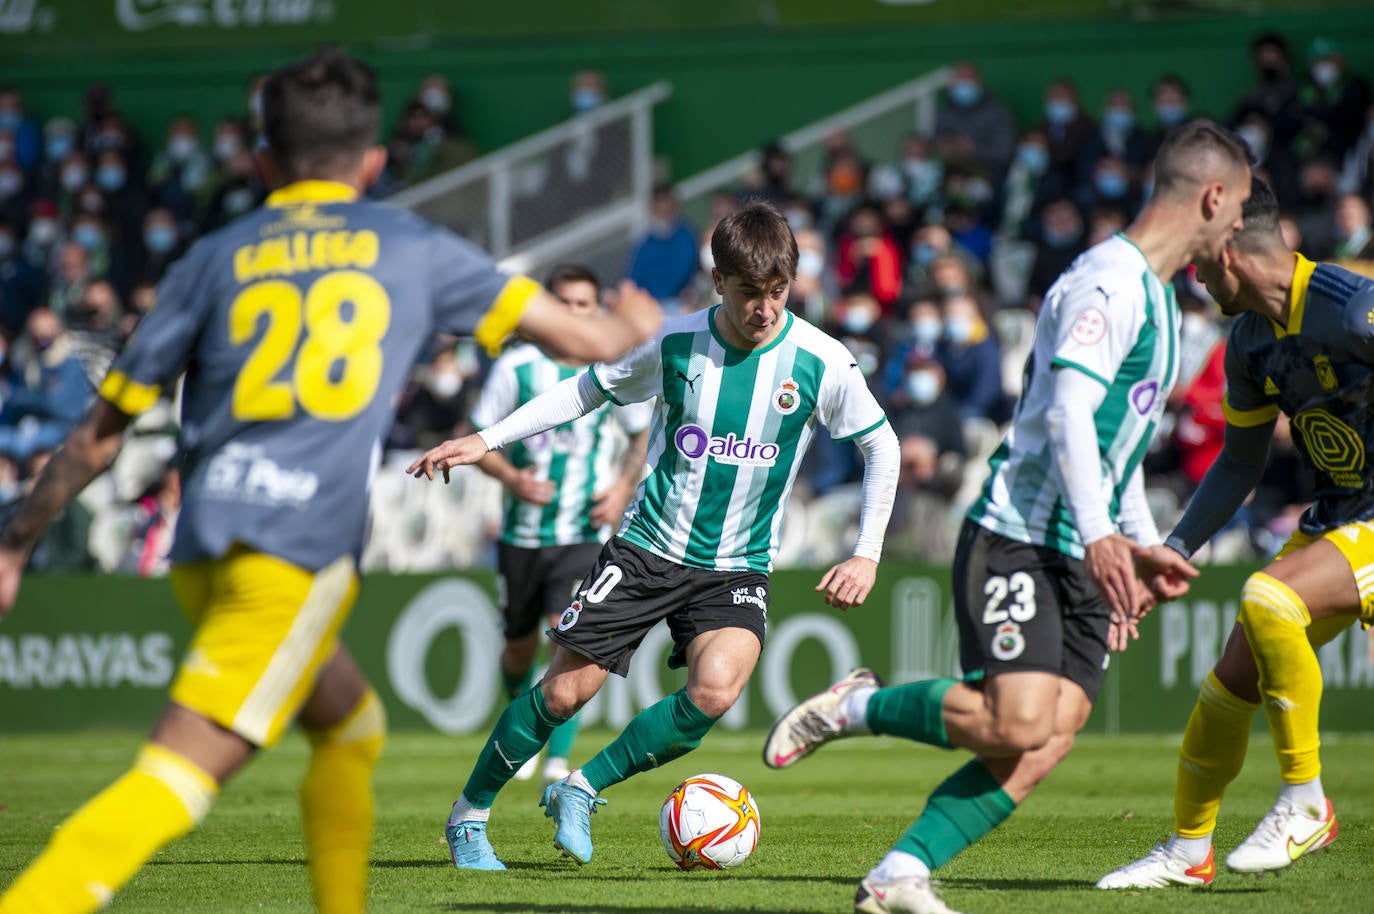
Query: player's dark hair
(571, 272)
(1261, 216)
(1187, 147)
(755, 243)
(321, 114)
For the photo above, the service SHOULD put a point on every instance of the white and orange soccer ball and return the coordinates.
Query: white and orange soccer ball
(709, 821)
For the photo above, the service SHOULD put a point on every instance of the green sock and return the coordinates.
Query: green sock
(519, 734)
(517, 683)
(914, 710)
(561, 743)
(968, 805)
(657, 735)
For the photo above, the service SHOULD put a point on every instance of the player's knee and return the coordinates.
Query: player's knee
(714, 699)
(564, 695)
(1023, 732)
(1265, 601)
(362, 732)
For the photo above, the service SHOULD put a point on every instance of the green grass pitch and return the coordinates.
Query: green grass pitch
(825, 822)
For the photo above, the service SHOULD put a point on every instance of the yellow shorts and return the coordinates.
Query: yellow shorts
(1356, 543)
(264, 628)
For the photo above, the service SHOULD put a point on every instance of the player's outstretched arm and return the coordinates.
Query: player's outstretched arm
(84, 455)
(632, 318)
(849, 583)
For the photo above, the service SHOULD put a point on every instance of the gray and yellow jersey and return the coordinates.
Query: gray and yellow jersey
(1319, 371)
(297, 326)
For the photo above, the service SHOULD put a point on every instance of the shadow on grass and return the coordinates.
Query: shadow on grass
(594, 908)
(1054, 885)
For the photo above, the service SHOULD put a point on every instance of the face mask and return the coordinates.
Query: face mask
(10, 119)
(586, 99)
(959, 330)
(238, 201)
(1326, 73)
(857, 320)
(43, 231)
(1119, 119)
(965, 92)
(10, 182)
(226, 147)
(181, 147)
(445, 385)
(88, 236)
(810, 263)
(1060, 240)
(1255, 138)
(1110, 184)
(160, 238)
(708, 260)
(924, 177)
(58, 147)
(6, 246)
(435, 100)
(923, 387)
(926, 330)
(924, 254)
(1170, 114)
(73, 176)
(109, 178)
(799, 219)
(1034, 157)
(1060, 111)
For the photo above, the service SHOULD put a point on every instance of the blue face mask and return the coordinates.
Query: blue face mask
(586, 99)
(924, 254)
(857, 320)
(925, 331)
(88, 236)
(160, 238)
(1170, 114)
(923, 387)
(1110, 185)
(1120, 120)
(1060, 240)
(1034, 157)
(964, 92)
(959, 330)
(1059, 111)
(58, 147)
(110, 178)
(10, 120)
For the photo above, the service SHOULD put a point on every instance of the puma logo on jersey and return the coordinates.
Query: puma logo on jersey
(1106, 296)
(691, 382)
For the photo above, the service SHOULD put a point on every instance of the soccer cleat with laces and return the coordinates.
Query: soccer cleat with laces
(815, 722)
(1286, 833)
(469, 847)
(571, 809)
(912, 895)
(1161, 867)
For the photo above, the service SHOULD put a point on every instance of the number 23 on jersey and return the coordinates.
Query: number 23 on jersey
(338, 354)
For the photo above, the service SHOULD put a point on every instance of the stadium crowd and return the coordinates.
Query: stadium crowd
(929, 261)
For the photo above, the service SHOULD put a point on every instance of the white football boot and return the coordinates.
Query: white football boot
(1285, 834)
(815, 722)
(1161, 867)
(909, 895)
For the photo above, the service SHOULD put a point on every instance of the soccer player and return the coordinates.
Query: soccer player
(1043, 576)
(740, 389)
(562, 496)
(297, 325)
(1303, 345)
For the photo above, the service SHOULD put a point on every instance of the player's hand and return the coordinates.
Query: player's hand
(527, 486)
(608, 505)
(12, 564)
(1125, 629)
(848, 583)
(1164, 571)
(637, 309)
(458, 452)
(1109, 562)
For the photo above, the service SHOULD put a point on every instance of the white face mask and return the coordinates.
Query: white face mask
(858, 320)
(435, 99)
(446, 384)
(923, 387)
(810, 263)
(1325, 73)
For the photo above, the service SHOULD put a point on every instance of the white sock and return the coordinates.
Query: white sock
(463, 811)
(577, 780)
(1309, 796)
(899, 865)
(854, 707)
(1193, 850)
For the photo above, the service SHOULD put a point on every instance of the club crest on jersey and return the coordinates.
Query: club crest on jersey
(1326, 375)
(1144, 395)
(1007, 642)
(570, 616)
(787, 397)
(693, 443)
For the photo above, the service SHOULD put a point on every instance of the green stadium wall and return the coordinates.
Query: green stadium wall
(99, 652)
(741, 73)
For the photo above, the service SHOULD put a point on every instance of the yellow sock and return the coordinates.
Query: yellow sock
(336, 806)
(1211, 756)
(1290, 677)
(102, 845)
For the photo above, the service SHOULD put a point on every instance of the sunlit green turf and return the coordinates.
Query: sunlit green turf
(824, 823)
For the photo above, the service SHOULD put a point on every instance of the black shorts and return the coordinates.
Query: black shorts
(535, 584)
(1026, 608)
(631, 589)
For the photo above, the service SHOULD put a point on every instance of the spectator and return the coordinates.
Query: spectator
(772, 183)
(73, 175)
(1104, 222)
(1067, 128)
(162, 243)
(1354, 235)
(96, 105)
(423, 148)
(180, 177)
(968, 197)
(588, 91)
(869, 260)
(974, 126)
(1316, 209)
(1061, 240)
(72, 276)
(15, 198)
(128, 202)
(141, 301)
(21, 284)
(1111, 185)
(809, 295)
(155, 524)
(933, 456)
(23, 130)
(49, 390)
(1173, 105)
(436, 94)
(928, 244)
(238, 192)
(858, 323)
(231, 138)
(114, 135)
(1335, 103)
(1119, 134)
(59, 141)
(40, 243)
(1357, 172)
(917, 338)
(843, 181)
(94, 330)
(666, 258)
(972, 360)
(951, 277)
(1273, 99)
(1201, 424)
(916, 177)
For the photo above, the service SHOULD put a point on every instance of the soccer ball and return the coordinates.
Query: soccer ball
(709, 821)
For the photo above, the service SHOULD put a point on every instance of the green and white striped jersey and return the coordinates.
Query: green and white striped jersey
(1110, 317)
(728, 434)
(580, 458)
